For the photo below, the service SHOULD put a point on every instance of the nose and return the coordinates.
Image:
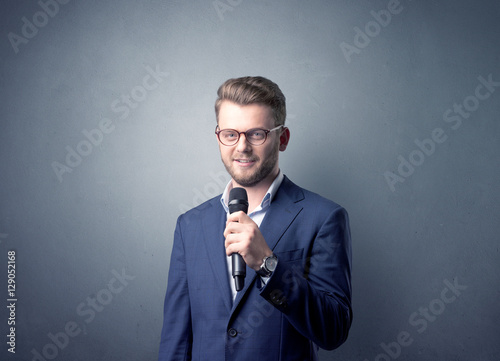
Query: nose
(243, 146)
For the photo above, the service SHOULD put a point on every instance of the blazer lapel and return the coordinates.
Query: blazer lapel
(213, 223)
(284, 209)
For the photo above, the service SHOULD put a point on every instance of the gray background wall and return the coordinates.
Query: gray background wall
(93, 244)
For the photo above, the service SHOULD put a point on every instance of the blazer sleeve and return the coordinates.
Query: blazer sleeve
(176, 335)
(316, 296)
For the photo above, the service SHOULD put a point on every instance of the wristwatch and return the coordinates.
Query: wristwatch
(268, 266)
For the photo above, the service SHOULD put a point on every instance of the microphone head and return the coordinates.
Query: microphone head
(238, 200)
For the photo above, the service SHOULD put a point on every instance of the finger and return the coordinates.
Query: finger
(232, 227)
(232, 238)
(239, 216)
(228, 241)
(233, 217)
(232, 245)
(230, 252)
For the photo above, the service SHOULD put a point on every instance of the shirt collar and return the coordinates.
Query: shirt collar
(266, 201)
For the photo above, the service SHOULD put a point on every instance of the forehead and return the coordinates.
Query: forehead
(244, 117)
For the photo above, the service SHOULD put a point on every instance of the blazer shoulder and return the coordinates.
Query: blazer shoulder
(319, 201)
(211, 205)
(308, 198)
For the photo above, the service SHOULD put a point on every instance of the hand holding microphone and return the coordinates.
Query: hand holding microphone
(244, 241)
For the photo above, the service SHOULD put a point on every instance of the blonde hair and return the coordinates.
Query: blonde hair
(253, 90)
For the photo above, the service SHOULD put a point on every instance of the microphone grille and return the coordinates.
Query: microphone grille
(238, 200)
(238, 193)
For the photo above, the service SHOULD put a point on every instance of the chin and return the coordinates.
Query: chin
(247, 183)
(244, 181)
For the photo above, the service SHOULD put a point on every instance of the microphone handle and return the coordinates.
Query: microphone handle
(239, 271)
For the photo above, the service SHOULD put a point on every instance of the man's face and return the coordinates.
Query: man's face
(249, 164)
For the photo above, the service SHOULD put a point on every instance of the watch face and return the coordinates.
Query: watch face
(271, 263)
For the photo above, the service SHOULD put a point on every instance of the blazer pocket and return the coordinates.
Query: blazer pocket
(290, 256)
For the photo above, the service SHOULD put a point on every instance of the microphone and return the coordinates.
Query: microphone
(238, 201)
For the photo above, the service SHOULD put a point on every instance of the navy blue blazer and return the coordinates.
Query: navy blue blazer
(305, 304)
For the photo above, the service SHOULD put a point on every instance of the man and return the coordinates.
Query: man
(296, 246)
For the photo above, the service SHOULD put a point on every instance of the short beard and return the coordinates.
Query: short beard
(265, 169)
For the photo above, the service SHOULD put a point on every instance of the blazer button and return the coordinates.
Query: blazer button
(232, 332)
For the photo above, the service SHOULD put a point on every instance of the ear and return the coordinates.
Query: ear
(284, 139)
(215, 133)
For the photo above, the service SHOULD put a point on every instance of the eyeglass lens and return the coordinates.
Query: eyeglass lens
(254, 136)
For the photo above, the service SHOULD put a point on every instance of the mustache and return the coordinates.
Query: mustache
(251, 159)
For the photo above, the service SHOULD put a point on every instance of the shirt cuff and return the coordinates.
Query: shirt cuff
(264, 280)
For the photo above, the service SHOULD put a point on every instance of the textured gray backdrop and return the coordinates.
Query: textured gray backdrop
(106, 136)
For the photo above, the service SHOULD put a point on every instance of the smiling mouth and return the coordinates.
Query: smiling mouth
(245, 162)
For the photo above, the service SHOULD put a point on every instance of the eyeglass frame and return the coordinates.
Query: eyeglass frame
(266, 131)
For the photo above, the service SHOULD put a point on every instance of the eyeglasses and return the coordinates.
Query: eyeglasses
(255, 136)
